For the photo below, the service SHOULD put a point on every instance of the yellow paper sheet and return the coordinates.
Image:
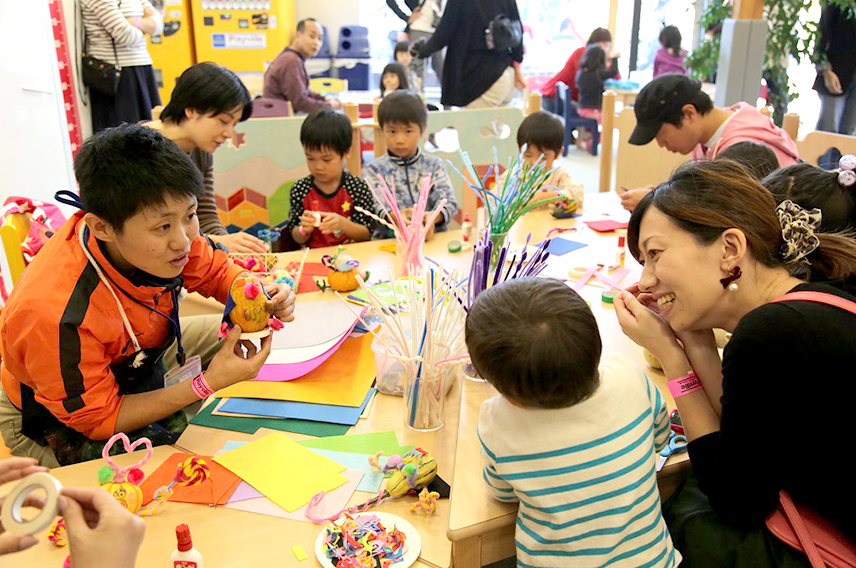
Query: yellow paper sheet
(299, 553)
(282, 470)
(342, 380)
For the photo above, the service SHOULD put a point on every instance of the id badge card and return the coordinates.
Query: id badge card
(181, 373)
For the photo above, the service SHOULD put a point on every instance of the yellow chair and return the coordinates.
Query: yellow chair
(326, 85)
(13, 232)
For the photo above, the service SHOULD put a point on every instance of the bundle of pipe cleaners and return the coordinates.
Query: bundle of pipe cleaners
(527, 265)
(512, 201)
(190, 472)
(409, 233)
(363, 542)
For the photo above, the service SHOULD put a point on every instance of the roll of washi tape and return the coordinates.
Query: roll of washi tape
(11, 514)
(577, 271)
(454, 246)
(608, 296)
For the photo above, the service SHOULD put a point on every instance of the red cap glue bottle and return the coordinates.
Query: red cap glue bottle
(185, 556)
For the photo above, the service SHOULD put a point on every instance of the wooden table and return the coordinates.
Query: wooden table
(466, 530)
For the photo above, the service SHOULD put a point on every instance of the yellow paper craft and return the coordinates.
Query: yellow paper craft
(282, 470)
(299, 553)
(342, 380)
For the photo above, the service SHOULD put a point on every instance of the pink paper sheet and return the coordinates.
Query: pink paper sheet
(333, 502)
(606, 225)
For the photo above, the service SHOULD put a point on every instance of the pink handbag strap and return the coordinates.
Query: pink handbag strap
(801, 531)
(821, 298)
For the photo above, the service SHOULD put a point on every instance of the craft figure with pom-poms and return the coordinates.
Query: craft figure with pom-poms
(123, 483)
(343, 272)
(410, 473)
(564, 207)
(250, 307)
(190, 472)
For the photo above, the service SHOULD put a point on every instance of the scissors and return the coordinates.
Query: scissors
(676, 444)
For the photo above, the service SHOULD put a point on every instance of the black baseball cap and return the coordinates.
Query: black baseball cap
(666, 95)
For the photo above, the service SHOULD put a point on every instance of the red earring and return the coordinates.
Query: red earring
(729, 282)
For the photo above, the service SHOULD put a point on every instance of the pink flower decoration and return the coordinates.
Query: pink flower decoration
(275, 324)
(224, 330)
(136, 476)
(251, 290)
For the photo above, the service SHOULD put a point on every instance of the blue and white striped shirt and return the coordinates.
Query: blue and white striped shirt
(584, 475)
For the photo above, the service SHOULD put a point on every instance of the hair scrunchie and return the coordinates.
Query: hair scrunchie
(798, 231)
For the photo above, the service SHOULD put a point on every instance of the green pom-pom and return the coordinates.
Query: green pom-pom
(105, 475)
(409, 469)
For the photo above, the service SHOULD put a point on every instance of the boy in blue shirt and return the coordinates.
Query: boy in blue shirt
(403, 117)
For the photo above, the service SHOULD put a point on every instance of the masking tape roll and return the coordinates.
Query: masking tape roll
(11, 515)
(577, 271)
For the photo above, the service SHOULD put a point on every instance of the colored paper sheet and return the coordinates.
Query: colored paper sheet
(298, 552)
(311, 271)
(369, 443)
(282, 470)
(315, 323)
(559, 246)
(215, 490)
(606, 225)
(383, 291)
(333, 502)
(297, 410)
(371, 481)
(342, 380)
(250, 425)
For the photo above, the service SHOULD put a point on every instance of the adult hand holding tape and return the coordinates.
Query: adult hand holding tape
(21, 496)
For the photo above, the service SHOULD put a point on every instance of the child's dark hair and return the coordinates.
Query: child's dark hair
(757, 158)
(400, 47)
(599, 35)
(327, 128)
(536, 341)
(121, 171)
(207, 88)
(395, 69)
(594, 59)
(811, 187)
(542, 130)
(670, 39)
(402, 107)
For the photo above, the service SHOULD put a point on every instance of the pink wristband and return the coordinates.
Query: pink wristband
(685, 385)
(200, 387)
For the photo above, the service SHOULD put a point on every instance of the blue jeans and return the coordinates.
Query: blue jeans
(838, 114)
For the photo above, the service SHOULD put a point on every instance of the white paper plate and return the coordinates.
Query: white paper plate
(413, 542)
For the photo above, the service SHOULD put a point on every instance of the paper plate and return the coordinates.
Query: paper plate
(413, 542)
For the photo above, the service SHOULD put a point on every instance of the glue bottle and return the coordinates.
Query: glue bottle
(185, 556)
(467, 227)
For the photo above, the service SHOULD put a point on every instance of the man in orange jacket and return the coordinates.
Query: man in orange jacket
(92, 326)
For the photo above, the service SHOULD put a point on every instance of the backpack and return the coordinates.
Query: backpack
(502, 33)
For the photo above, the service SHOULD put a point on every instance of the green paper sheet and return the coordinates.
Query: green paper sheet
(369, 443)
(250, 425)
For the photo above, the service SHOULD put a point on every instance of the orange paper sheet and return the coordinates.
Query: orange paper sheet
(342, 380)
(215, 490)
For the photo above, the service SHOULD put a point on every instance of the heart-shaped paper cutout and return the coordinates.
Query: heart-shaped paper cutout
(121, 472)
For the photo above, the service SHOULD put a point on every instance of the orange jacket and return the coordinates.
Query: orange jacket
(61, 331)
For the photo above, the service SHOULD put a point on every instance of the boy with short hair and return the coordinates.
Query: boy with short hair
(92, 326)
(323, 205)
(573, 443)
(544, 135)
(403, 117)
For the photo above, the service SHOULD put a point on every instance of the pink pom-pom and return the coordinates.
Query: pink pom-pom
(251, 263)
(275, 324)
(392, 462)
(224, 330)
(251, 290)
(136, 476)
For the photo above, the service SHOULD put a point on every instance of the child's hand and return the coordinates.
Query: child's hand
(307, 222)
(332, 222)
(283, 298)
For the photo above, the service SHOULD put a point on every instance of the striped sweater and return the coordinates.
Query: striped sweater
(584, 475)
(106, 19)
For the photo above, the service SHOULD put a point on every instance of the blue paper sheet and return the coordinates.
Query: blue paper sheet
(347, 415)
(559, 246)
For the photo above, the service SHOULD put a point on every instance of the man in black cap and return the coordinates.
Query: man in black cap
(675, 111)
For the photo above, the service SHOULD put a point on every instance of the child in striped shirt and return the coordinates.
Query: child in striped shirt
(574, 443)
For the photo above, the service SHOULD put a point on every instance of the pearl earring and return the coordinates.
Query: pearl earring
(733, 287)
(729, 282)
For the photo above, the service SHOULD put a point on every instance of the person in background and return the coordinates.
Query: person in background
(670, 57)
(760, 160)
(675, 111)
(422, 23)
(287, 78)
(123, 26)
(393, 78)
(836, 69)
(403, 117)
(402, 55)
(568, 74)
(207, 103)
(811, 187)
(101, 532)
(591, 78)
(323, 205)
(473, 75)
(573, 440)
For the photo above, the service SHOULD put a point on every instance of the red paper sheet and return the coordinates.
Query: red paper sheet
(606, 225)
(311, 271)
(215, 490)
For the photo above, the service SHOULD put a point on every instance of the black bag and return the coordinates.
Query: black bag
(98, 74)
(502, 33)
